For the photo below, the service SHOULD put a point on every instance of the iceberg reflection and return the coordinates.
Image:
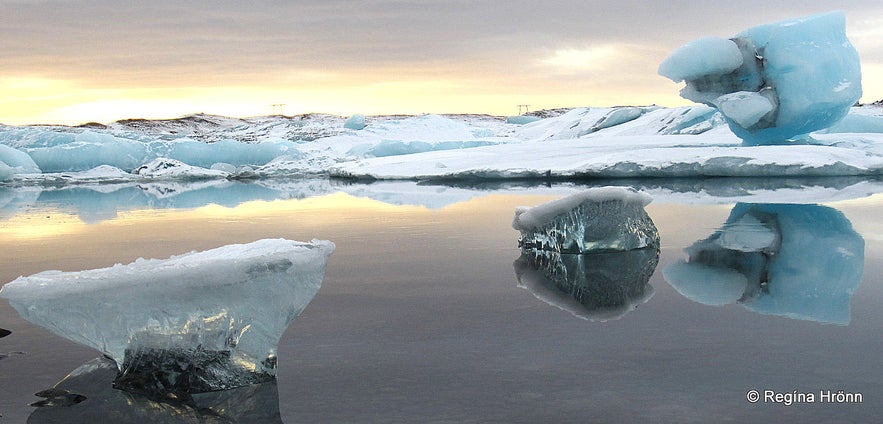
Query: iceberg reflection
(595, 287)
(798, 261)
(86, 396)
(197, 322)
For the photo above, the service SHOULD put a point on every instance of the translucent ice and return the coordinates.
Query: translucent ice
(14, 161)
(598, 219)
(197, 322)
(773, 82)
(798, 261)
(355, 122)
(595, 287)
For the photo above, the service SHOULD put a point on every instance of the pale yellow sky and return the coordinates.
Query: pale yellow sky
(72, 62)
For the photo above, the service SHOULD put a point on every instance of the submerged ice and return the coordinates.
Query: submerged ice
(773, 82)
(799, 261)
(196, 322)
(595, 220)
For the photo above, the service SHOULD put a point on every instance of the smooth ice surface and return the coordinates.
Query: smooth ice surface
(598, 219)
(798, 261)
(805, 68)
(196, 322)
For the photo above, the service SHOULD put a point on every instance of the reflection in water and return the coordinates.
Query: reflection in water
(197, 322)
(594, 286)
(590, 254)
(87, 396)
(797, 261)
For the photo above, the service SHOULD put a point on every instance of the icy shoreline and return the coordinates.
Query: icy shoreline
(574, 144)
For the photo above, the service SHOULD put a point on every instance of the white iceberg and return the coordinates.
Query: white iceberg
(595, 220)
(773, 82)
(196, 322)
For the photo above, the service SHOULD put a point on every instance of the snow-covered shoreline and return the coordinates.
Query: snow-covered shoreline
(579, 143)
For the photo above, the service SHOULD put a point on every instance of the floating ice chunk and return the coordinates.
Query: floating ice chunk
(355, 122)
(708, 55)
(805, 67)
(165, 168)
(87, 150)
(6, 172)
(197, 322)
(797, 261)
(595, 287)
(17, 162)
(598, 219)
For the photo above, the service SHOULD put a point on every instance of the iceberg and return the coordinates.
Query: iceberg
(797, 261)
(594, 287)
(773, 82)
(355, 122)
(595, 220)
(197, 322)
(590, 253)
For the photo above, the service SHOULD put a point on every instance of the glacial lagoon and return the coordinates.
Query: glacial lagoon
(429, 312)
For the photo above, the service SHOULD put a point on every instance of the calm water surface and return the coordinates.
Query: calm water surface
(421, 319)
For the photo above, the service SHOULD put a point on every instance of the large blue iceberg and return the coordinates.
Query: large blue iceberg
(773, 82)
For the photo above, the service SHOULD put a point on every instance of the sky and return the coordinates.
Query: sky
(70, 62)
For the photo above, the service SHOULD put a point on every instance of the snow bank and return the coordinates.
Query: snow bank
(615, 142)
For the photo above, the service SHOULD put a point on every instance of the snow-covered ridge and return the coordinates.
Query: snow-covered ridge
(627, 141)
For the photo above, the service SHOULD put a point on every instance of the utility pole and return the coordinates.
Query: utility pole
(278, 109)
(526, 109)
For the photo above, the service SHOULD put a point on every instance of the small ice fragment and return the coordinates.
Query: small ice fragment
(355, 122)
(598, 219)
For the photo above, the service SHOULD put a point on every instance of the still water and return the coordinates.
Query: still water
(425, 315)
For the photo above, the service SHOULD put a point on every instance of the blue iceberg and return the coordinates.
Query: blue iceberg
(773, 82)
